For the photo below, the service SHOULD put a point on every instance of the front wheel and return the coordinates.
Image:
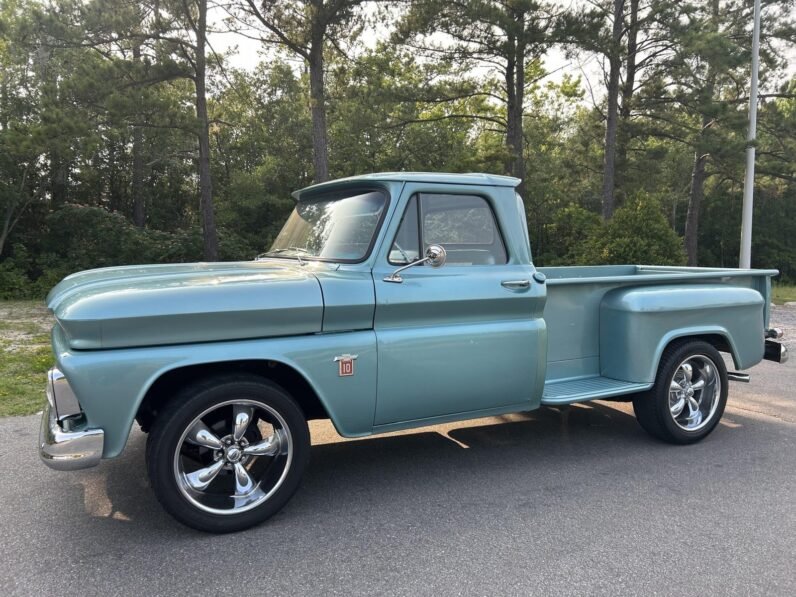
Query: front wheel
(228, 453)
(689, 394)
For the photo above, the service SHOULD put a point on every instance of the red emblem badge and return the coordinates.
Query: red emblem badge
(345, 364)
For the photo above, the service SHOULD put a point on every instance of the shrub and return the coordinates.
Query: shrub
(638, 233)
(14, 283)
(570, 227)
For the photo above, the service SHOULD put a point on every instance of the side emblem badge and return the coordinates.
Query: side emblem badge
(345, 364)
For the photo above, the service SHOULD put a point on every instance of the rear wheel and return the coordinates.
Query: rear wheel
(689, 395)
(228, 453)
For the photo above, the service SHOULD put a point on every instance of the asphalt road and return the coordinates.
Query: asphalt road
(579, 501)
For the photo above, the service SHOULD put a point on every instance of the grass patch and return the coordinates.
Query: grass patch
(25, 356)
(783, 294)
(22, 379)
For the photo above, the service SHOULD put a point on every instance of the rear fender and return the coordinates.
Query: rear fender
(637, 324)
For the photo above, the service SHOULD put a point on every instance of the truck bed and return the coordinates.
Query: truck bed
(576, 370)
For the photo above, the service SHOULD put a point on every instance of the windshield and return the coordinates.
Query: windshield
(338, 227)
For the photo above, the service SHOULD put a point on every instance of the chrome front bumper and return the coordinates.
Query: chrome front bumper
(60, 447)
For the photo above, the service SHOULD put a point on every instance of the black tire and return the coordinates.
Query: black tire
(653, 409)
(167, 443)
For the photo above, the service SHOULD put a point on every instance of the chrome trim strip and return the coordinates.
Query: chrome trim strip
(737, 376)
(68, 450)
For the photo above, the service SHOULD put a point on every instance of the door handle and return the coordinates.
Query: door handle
(516, 284)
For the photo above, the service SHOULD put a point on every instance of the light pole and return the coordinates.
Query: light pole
(745, 260)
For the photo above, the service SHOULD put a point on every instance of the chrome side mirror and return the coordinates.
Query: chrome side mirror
(435, 257)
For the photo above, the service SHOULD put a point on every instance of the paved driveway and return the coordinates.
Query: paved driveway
(579, 501)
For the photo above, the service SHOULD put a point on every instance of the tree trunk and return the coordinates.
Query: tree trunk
(515, 97)
(320, 144)
(698, 176)
(114, 191)
(12, 214)
(4, 111)
(614, 59)
(518, 142)
(59, 178)
(511, 105)
(139, 216)
(6, 229)
(623, 129)
(695, 196)
(209, 234)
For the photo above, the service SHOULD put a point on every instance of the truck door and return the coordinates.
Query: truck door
(468, 336)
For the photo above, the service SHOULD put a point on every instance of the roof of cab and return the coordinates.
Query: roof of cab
(474, 178)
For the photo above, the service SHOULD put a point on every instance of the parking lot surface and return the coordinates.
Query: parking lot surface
(566, 501)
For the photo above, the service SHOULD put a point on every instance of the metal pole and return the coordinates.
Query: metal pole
(749, 180)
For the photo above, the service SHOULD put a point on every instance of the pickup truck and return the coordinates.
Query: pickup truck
(388, 301)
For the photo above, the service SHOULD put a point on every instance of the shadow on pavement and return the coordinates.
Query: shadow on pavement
(437, 463)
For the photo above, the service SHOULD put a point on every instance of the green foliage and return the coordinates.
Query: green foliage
(638, 233)
(570, 228)
(14, 282)
(79, 238)
(78, 112)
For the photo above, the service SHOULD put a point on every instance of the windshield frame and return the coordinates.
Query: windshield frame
(337, 194)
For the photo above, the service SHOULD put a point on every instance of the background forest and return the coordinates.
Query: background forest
(133, 131)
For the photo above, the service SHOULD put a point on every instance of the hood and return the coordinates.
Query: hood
(153, 305)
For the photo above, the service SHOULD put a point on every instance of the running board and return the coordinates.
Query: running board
(588, 388)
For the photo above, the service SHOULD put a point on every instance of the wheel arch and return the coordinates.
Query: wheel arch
(642, 364)
(166, 383)
(717, 337)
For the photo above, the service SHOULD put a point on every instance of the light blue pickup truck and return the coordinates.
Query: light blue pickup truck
(387, 301)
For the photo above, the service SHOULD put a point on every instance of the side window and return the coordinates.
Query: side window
(465, 226)
(406, 246)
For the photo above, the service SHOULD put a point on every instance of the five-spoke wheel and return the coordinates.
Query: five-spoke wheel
(228, 453)
(694, 393)
(236, 460)
(689, 394)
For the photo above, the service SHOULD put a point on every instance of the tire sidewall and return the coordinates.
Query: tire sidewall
(171, 424)
(682, 353)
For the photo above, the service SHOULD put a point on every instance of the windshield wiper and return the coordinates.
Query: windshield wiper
(298, 251)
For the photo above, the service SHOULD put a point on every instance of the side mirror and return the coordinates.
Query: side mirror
(435, 257)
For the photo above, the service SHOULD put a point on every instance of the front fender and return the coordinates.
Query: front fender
(636, 325)
(111, 384)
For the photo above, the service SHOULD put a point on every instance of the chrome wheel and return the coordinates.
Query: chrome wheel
(694, 393)
(233, 457)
